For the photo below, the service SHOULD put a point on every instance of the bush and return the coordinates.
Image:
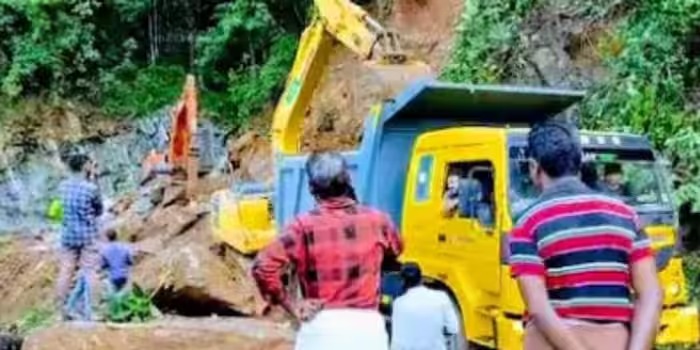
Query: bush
(130, 56)
(132, 306)
(47, 45)
(691, 267)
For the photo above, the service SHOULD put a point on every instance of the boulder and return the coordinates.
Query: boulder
(189, 279)
(10, 342)
(166, 223)
(175, 334)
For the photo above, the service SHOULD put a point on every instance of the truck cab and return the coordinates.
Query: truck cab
(465, 252)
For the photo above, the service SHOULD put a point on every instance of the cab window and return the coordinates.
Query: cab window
(425, 169)
(468, 192)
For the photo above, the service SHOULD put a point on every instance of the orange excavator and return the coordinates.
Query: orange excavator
(182, 156)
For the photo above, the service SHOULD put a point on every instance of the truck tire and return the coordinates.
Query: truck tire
(458, 341)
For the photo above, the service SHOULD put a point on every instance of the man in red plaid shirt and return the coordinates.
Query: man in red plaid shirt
(337, 250)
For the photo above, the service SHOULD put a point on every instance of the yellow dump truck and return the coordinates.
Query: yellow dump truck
(411, 143)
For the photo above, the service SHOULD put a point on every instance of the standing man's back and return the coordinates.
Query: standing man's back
(578, 255)
(422, 318)
(337, 250)
(82, 205)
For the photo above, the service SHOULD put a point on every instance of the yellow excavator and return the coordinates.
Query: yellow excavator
(243, 218)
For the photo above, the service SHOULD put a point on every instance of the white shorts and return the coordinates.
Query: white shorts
(343, 329)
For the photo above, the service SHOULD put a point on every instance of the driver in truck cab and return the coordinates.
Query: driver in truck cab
(337, 250)
(578, 255)
(614, 180)
(450, 200)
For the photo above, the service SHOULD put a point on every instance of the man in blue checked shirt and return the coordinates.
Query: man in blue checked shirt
(82, 205)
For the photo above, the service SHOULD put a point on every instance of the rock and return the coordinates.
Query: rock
(191, 280)
(250, 157)
(169, 222)
(552, 64)
(173, 195)
(178, 334)
(10, 342)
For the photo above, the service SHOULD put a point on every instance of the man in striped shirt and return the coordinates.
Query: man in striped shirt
(578, 255)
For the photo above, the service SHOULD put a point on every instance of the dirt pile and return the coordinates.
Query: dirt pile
(350, 87)
(427, 27)
(176, 334)
(27, 274)
(250, 157)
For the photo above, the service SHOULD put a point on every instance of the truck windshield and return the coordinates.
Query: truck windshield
(633, 176)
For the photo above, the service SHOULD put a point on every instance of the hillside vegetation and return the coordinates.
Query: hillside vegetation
(649, 52)
(129, 56)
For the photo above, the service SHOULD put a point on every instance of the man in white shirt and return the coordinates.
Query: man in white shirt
(422, 318)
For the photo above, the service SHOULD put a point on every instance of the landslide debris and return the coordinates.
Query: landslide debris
(177, 260)
(177, 257)
(28, 270)
(170, 334)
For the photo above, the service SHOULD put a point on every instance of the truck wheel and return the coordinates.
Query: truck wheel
(458, 341)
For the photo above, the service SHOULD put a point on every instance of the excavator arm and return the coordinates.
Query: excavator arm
(335, 20)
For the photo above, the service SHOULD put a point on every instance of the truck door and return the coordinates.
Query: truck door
(468, 231)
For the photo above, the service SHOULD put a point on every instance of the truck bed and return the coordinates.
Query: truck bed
(291, 184)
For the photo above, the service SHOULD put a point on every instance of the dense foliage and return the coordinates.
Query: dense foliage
(487, 31)
(651, 54)
(130, 56)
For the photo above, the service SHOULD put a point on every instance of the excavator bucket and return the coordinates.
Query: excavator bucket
(243, 220)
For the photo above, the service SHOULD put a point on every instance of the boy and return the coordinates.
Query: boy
(117, 259)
